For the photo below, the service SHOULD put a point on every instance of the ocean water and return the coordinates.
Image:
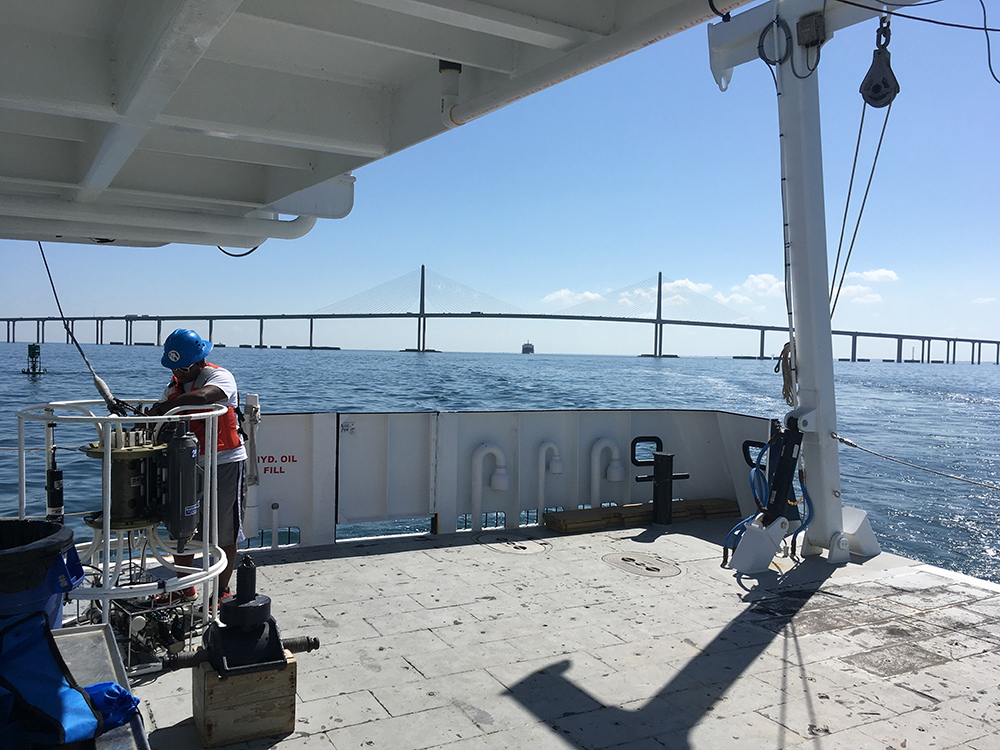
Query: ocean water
(944, 417)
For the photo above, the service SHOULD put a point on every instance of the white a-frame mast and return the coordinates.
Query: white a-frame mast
(791, 45)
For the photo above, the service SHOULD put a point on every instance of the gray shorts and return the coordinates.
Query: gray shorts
(232, 503)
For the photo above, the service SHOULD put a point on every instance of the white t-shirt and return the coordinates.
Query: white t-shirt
(221, 378)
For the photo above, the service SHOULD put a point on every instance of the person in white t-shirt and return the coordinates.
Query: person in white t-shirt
(197, 382)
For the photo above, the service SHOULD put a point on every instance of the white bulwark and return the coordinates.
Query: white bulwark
(323, 469)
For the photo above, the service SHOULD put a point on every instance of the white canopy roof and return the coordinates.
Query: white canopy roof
(201, 121)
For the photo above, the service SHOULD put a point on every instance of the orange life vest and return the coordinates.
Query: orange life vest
(229, 433)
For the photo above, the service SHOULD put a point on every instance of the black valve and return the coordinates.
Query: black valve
(248, 639)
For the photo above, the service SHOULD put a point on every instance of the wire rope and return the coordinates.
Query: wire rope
(847, 203)
(852, 444)
(936, 22)
(861, 211)
(115, 405)
(985, 28)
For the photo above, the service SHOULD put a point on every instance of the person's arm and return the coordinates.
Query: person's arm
(207, 394)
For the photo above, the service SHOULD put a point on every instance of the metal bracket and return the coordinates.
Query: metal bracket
(806, 419)
(840, 549)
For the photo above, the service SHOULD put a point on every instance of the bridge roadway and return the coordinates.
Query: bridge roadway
(129, 321)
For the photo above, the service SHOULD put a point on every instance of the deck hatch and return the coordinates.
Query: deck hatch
(641, 564)
(516, 544)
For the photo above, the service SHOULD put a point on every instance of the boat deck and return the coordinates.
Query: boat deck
(478, 641)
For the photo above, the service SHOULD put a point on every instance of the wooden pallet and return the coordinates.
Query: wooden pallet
(638, 514)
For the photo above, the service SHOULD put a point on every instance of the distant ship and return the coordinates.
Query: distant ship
(527, 348)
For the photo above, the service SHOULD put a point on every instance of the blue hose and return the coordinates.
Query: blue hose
(809, 512)
(760, 488)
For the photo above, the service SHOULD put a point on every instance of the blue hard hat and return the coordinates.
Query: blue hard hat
(183, 348)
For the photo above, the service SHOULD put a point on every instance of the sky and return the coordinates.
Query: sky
(638, 167)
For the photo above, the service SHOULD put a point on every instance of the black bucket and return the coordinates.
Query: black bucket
(34, 574)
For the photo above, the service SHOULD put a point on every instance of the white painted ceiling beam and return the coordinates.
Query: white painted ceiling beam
(237, 109)
(169, 174)
(186, 143)
(54, 73)
(387, 30)
(39, 125)
(487, 19)
(266, 106)
(39, 159)
(156, 47)
(279, 183)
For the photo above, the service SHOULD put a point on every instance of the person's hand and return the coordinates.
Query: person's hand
(154, 410)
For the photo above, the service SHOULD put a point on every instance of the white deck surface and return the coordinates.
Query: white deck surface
(447, 642)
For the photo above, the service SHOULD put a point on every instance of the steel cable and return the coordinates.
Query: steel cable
(852, 444)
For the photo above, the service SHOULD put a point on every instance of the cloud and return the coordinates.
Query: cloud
(675, 299)
(566, 298)
(881, 274)
(762, 285)
(867, 299)
(984, 300)
(739, 299)
(686, 285)
(862, 295)
(855, 291)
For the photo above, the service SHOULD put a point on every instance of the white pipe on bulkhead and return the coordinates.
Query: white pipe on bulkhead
(251, 518)
(615, 473)
(499, 480)
(450, 73)
(555, 467)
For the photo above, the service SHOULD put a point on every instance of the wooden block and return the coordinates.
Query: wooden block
(243, 707)
(636, 514)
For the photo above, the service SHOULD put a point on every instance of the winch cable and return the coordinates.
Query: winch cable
(864, 200)
(852, 444)
(880, 8)
(115, 405)
(847, 204)
(985, 28)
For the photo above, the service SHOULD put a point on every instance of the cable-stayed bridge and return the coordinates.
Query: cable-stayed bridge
(424, 295)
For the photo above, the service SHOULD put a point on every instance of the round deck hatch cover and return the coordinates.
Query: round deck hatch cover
(513, 543)
(643, 565)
